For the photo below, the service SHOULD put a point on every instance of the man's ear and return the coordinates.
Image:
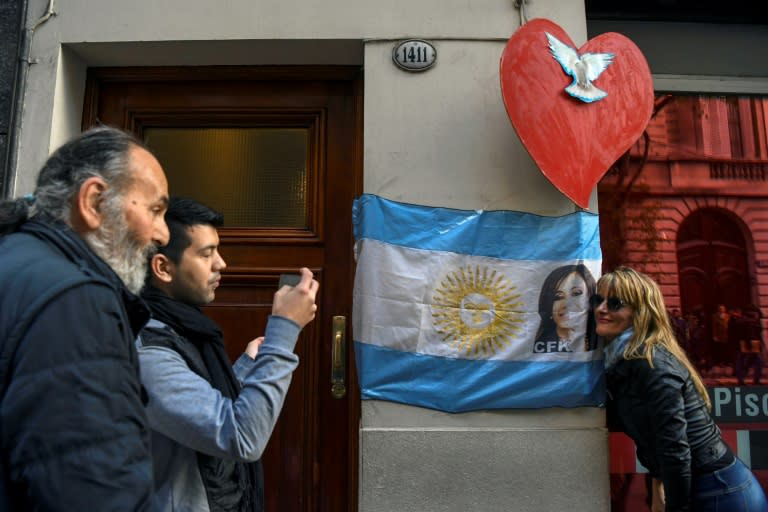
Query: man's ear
(162, 268)
(89, 204)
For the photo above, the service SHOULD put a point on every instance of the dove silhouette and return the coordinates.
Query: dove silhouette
(584, 69)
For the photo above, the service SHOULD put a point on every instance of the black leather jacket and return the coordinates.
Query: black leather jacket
(660, 409)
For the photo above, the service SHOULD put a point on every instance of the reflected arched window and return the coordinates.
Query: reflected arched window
(712, 262)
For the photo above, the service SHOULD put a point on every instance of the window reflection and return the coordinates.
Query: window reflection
(687, 206)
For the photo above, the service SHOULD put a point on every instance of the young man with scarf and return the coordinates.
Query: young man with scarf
(210, 420)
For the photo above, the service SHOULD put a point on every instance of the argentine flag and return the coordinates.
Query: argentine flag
(460, 310)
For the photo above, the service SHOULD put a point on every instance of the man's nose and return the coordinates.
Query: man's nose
(219, 262)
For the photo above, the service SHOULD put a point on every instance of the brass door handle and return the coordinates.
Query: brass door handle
(339, 357)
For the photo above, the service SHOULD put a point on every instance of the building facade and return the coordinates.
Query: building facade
(693, 209)
(320, 79)
(688, 205)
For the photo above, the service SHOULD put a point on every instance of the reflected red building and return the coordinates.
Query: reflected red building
(689, 203)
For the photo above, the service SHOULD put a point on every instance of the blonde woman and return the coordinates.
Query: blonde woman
(658, 399)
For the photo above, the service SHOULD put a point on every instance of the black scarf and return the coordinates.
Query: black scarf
(230, 485)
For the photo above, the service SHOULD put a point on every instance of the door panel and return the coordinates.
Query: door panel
(311, 459)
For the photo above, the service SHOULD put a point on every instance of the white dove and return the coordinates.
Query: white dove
(583, 69)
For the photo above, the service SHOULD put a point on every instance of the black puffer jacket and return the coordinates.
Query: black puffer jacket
(73, 429)
(660, 409)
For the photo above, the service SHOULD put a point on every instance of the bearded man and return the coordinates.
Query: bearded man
(73, 255)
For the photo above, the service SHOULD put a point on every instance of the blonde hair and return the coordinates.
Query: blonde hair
(650, 321)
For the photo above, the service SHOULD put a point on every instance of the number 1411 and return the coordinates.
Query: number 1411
(414, 54)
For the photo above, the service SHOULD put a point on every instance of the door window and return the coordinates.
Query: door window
(256, 177)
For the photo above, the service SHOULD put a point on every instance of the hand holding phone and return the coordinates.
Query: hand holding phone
(289, 280)
(295, 299)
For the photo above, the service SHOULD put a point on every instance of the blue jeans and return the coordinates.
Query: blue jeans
(731, 489)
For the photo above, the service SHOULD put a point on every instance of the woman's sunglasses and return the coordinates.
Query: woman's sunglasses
(612, 303)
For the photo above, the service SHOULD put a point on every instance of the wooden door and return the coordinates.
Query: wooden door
(311, 459)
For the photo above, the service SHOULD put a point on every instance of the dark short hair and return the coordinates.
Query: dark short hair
(182, 214)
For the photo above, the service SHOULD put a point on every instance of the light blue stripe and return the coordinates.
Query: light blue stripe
(460, 385)
(497, 234)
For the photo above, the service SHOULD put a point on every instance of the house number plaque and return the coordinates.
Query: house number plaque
(414, 55)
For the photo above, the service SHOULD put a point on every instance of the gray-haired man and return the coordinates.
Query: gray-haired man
(73, 255)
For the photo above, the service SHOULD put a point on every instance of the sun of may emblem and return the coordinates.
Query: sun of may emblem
(476, 310)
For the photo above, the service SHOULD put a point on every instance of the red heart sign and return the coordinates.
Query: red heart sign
(573, 142)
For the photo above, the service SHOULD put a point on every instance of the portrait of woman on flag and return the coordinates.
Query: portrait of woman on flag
(566, 325)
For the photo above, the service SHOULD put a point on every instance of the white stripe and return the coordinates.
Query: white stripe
(403, 300)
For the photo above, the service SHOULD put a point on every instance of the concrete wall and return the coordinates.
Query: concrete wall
(495, 461)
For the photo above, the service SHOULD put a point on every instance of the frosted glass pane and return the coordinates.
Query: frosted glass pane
(257, 177)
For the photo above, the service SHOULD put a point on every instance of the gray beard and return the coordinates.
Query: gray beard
(114, 242)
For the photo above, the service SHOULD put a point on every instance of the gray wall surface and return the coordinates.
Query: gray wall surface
(419, 460)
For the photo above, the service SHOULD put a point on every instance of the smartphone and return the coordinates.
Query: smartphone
(289, 279)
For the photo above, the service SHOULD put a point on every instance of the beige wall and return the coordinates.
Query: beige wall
(442, 137)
